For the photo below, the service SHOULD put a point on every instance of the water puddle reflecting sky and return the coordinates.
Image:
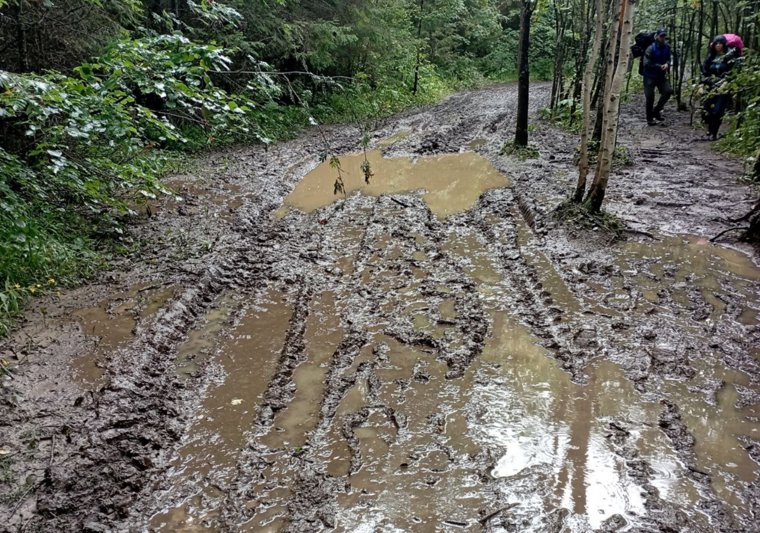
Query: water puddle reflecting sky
(555, 433)
(420, 452)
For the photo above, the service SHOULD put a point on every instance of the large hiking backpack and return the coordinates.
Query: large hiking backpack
(734, 41)
(641, 42)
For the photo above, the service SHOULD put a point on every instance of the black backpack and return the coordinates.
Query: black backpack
(641, 42)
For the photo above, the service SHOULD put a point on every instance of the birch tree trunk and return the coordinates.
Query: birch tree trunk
(602, 115)
(587, 85)
(612, 107)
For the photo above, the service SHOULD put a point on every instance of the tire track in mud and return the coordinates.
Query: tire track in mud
(314, 490)
(124, 430)
(298, 255)
(531, 301)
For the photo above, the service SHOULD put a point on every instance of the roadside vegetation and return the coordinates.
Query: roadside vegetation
(99, 99)
(596, 37)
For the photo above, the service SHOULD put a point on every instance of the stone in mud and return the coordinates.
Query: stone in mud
(670, 361)
(675, 428)
(95, 527)
(555, 521)
(614, 523)
(586, 338)
(649, 334)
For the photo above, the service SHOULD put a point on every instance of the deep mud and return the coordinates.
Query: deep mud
(453, 358)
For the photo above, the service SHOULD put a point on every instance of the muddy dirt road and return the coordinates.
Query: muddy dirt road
(434, 354)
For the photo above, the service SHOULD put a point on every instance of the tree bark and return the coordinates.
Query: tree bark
(523, 83)
(22, 38)
(714, 22)
(623, 32)
(415, 86)
(583, 165)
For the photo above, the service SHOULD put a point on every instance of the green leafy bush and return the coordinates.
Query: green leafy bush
(744, 137)
(77, 150)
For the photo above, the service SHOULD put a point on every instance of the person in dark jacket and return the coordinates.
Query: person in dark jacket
(656, 64)
(718, 63)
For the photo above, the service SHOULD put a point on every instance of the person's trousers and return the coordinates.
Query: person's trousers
(662, 85)
(714, 109)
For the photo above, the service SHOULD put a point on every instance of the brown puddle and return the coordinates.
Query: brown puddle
(553, 435)
(556, 432)
(716, 429)
(202, 340)
(549, 276)
(113, 323)
(686, 263)
(323, 334)
(420, 452)
(453, 182)
(413, 477)
(207, 459)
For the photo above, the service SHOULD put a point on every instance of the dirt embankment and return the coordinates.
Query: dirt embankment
(449, 359)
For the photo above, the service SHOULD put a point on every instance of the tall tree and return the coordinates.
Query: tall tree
(523, 83)
(620, 40)
(588, 73)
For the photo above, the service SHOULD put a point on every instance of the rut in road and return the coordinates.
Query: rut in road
(377, 363)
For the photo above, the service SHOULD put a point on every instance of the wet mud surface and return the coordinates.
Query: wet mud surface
(432, 352)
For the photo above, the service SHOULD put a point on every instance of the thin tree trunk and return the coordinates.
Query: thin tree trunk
(714, 22)
(523, 83)
(588, 73)
(701, 33)
(676, 48)
(419, 51)
(608, 69)
(612, 107)
(22, 38)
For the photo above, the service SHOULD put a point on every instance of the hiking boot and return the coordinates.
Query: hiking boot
(658, 116)
(651, 122)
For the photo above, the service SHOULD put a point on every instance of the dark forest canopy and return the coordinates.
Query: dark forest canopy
(98, 98)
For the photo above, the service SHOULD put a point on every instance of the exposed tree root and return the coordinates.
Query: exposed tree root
(713, 239)
(580, 215)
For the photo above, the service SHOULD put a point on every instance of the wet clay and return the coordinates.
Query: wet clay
(433, 351)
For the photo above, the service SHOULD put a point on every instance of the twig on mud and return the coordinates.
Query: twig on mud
(483, 521)
(6, 371)
(697, 470)
(150, 287)
(674, 204)
(455, 523)
(640, 232)
(23, 496)
(52, 452)
(728, 231)
(399, 202)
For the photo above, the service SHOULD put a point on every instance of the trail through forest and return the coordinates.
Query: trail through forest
(449, 359)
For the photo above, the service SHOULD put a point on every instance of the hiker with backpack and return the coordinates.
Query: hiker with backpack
(720, 59)
(655, 65)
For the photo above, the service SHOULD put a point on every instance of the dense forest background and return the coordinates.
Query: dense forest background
(100, 98)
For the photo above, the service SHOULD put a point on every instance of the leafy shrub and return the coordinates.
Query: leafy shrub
(744, 136)
(567, 114)
(76, 150)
